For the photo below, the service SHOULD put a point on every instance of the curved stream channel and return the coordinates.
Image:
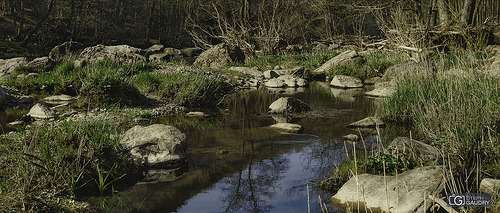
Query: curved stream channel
(238, 164)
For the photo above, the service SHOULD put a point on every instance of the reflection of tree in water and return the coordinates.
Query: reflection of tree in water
(250, 189)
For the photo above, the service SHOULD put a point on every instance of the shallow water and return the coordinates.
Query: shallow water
(240, 165)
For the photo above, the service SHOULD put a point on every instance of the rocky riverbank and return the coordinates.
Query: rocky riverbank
(87, 104)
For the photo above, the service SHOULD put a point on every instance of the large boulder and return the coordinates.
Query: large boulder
(406, 192)
(120, 54)
(344, 81)
(7, 66)
(387, 85)
(155, 145)
(220, 55)
(349, 56)
(69, 50)
(288, 105)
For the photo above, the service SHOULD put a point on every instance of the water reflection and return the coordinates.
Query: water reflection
(240, 165)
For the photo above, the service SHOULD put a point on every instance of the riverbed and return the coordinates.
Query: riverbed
(237, 163)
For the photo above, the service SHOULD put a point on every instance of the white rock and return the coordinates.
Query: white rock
(344, 81)
(40, 111)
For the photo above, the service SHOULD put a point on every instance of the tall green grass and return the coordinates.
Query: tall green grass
(308, 60)
(62, 161)
(108, 84)
(455, 107)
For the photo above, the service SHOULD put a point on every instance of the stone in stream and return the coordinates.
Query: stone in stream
(344, 81)
(368, 122)
(288, 127)
(155, 145)
(220, 55)
(288, 105)
(408, 192)
(349, 56)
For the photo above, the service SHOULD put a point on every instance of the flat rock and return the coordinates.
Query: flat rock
(275, 83)
(406, 192)
(40, 111)
(196, 114)
(367, 122)
(386, 92)
(344, 81)
(288, 127)
(59, 99)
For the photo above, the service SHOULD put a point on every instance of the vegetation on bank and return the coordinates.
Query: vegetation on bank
(43, 168)
(454, 107)
(108, 84)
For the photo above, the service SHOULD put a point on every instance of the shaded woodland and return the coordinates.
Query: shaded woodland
(251, 24)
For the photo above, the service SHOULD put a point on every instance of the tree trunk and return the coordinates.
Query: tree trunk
(150, 20)
(443, 12)
(38, 24)
(466, 12)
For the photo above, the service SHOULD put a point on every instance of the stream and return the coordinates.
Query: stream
(238, 164)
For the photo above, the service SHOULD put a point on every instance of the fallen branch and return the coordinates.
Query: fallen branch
(410, 48)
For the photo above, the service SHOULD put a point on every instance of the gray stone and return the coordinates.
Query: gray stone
(489, 185)
(288, 105)
(160, 57)
(220, 55)
(270, 74)
(368, 122)
(40, 111)
(288, 80)
(172, 51)
(406, 192)
(425, 153)
(344, 81)
(278, 67)
(301, 82)
(288, 127)
(157, 48)
(37, 62)
(69, 50)
(275, 83)
(120, 54)
(372, 81)
(298, 72)
(7, 66)
(155, 145)
(349, 56)
(248, 71)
